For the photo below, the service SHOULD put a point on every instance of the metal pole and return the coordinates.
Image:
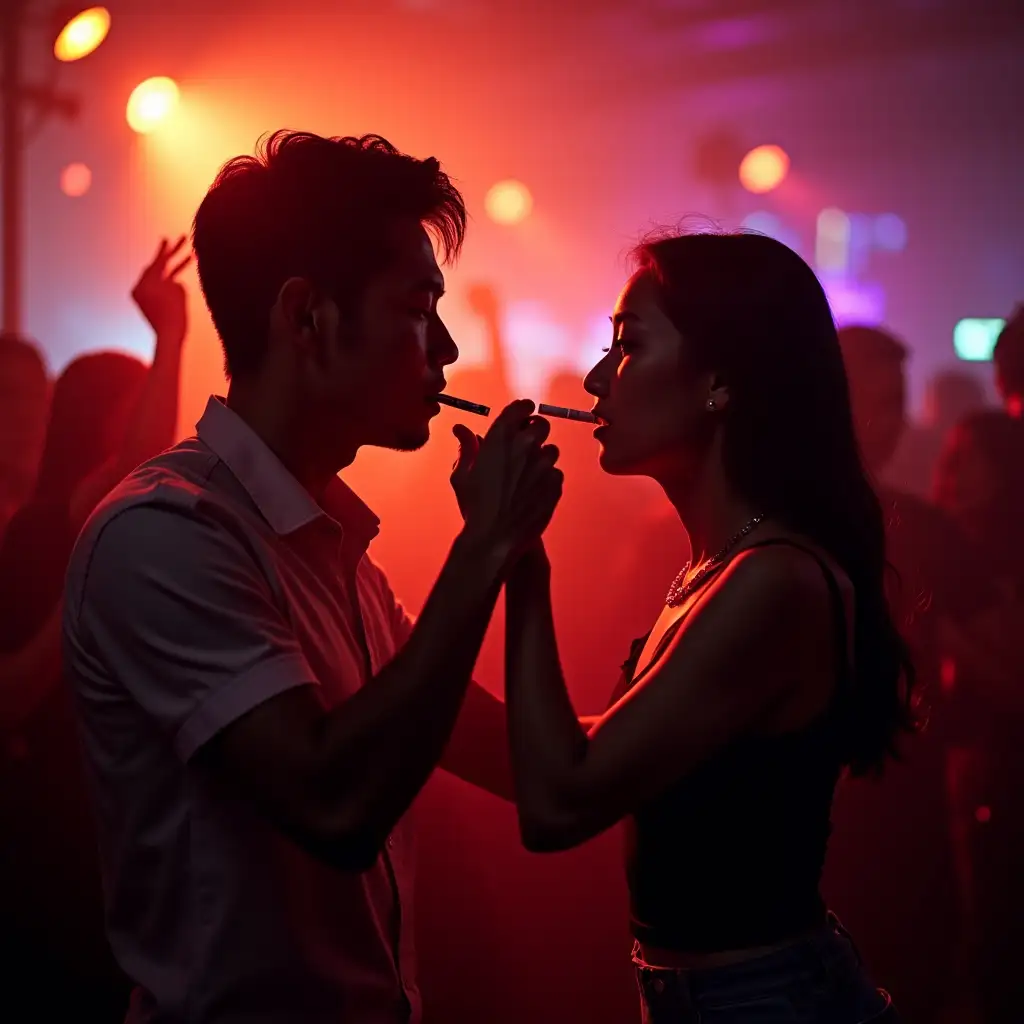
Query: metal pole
(12, 159)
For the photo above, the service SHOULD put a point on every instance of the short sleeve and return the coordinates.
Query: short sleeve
(173, 607)
(399, 622)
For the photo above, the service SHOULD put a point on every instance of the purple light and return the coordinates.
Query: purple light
(769, 224)
(855, 302)
(734, 33)
(764, 222)
(890, 232)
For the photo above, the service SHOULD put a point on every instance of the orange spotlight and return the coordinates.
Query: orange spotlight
(508, 202)
(151, 103)
(764, 168)
(75, 180)
(82, 33)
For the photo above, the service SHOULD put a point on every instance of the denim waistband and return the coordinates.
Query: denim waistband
(822, 959)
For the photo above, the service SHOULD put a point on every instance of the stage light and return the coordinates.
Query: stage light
(832, 244)
(764, 169)
(151, 103)
(890, 232)
(974, 338)
(508, 202)
(82, 33)
(75, 180)
(855, 302)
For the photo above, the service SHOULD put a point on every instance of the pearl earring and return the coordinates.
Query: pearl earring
(711, 405)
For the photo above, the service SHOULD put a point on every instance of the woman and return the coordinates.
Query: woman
(774, 665)
(109, 413)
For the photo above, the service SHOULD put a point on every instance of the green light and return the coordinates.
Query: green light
(974, 338)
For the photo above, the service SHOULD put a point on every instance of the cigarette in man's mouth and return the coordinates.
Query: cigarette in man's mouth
(461, 403)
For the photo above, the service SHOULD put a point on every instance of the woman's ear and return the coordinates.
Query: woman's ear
(718, 395)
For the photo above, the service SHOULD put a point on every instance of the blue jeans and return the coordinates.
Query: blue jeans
(817, 980)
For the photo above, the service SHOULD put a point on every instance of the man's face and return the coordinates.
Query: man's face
(877, 393)
(376, 377)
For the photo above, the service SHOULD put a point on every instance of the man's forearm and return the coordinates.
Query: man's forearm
(390, 736)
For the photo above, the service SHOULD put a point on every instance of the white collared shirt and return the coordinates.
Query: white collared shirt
(206, 583)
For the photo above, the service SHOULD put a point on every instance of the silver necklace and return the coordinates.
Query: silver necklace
(682, 588)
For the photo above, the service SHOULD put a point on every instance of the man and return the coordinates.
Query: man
(898, 886)
(258, 711)
(1008, 356)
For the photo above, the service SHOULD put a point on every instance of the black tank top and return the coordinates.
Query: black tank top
(731, 856)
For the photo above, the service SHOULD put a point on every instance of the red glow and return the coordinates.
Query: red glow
(75, 180)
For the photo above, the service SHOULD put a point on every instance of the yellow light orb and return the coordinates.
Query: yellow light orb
(151, 103)
(82, 34)
(508, 202)
(75, 180)
(764, 168)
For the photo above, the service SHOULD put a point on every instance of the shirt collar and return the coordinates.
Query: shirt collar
(285, 504)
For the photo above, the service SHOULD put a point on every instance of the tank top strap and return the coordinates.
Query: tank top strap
(840, 624)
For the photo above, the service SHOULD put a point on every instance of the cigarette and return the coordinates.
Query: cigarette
(559, 411)
(566, 414)
(461, 403)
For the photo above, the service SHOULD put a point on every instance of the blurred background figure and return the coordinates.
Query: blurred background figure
(950, 395)
(489, 381)
(1008, 356)
(24, 407)
(110, 412)
(909, 929)
(980, 484)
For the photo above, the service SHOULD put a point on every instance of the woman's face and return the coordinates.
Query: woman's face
(967, 483)
(654, 411)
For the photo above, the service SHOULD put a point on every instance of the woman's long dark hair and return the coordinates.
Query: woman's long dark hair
(37, 544)
(752, 311)
(91, 389)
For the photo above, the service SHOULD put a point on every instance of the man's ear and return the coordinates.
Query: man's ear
(296, 307)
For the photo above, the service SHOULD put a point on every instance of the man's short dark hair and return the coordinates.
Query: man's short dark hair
(1008, 354)
(312, 207)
